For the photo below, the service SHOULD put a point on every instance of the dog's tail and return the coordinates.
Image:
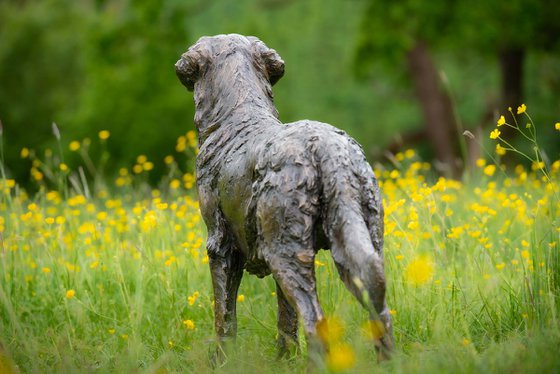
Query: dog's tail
(352, 214)
(353, 219)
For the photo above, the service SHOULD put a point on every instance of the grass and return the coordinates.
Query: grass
(115, 279)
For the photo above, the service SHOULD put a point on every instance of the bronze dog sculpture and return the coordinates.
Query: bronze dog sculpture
(273, 194)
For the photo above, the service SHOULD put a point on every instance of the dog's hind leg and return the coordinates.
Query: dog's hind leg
(287, 326)
(286, 210)
(289, 253)
(294, 272)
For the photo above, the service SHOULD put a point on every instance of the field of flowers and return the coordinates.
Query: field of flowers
(113, 277)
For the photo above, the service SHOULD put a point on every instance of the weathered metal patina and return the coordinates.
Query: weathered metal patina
(273, 194)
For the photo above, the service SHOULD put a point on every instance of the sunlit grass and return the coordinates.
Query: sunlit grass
(113, 277)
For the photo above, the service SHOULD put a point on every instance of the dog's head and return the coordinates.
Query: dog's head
(207, 51)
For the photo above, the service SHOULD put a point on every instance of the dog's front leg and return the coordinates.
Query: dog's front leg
(226, 271)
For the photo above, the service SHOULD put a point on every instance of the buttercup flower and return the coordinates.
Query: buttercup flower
(74, 145)
(25, 151)
(495, 134)
(521, 109)
(500, 150)
(490, 170)
(501, 121)
(419, 270)
(341, 358)
(104, 134)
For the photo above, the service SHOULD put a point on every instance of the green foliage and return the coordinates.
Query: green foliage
(40, 70)
(91, 66)
(494, 25)
(108, 64)
(390, 28)
(130, 85)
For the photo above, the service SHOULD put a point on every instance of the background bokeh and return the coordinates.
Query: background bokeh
(393, 74)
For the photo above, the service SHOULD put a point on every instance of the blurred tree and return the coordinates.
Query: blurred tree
(510, 30)
(408, 30)
(40, 70)
(404, 31)
(92, 65)
(129, 83)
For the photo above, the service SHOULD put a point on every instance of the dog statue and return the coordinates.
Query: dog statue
(273, 194)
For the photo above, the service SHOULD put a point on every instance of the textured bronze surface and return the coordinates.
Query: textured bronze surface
(273, 194)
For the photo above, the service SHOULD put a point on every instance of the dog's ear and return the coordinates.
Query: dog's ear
(272, 60)
(188, 67)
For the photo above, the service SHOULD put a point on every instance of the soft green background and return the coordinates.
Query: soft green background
(108, 64)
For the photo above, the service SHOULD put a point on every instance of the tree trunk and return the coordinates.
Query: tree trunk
(511, 69)
(440, 124)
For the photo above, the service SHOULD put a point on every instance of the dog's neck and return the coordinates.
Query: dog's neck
(229, 94)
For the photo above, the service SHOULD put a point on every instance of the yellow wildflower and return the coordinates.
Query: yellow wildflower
(500, 266)
(501, 121)
(70, 294)
(241, 298)
(330, 330)
(24, 152)
(500, 150)
(495, 134)
(192, 299)
(175, 184)
(172, 259)
(420, 270)
(137, 169)
(104, 134)
(191, 137)
(341, 357)
(181, 144)
(189, 324)
(490, 170)
(521, 109)
(148, 165)
(74, 145)
(557, 126)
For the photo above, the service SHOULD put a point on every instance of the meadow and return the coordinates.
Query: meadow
(111, 275)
